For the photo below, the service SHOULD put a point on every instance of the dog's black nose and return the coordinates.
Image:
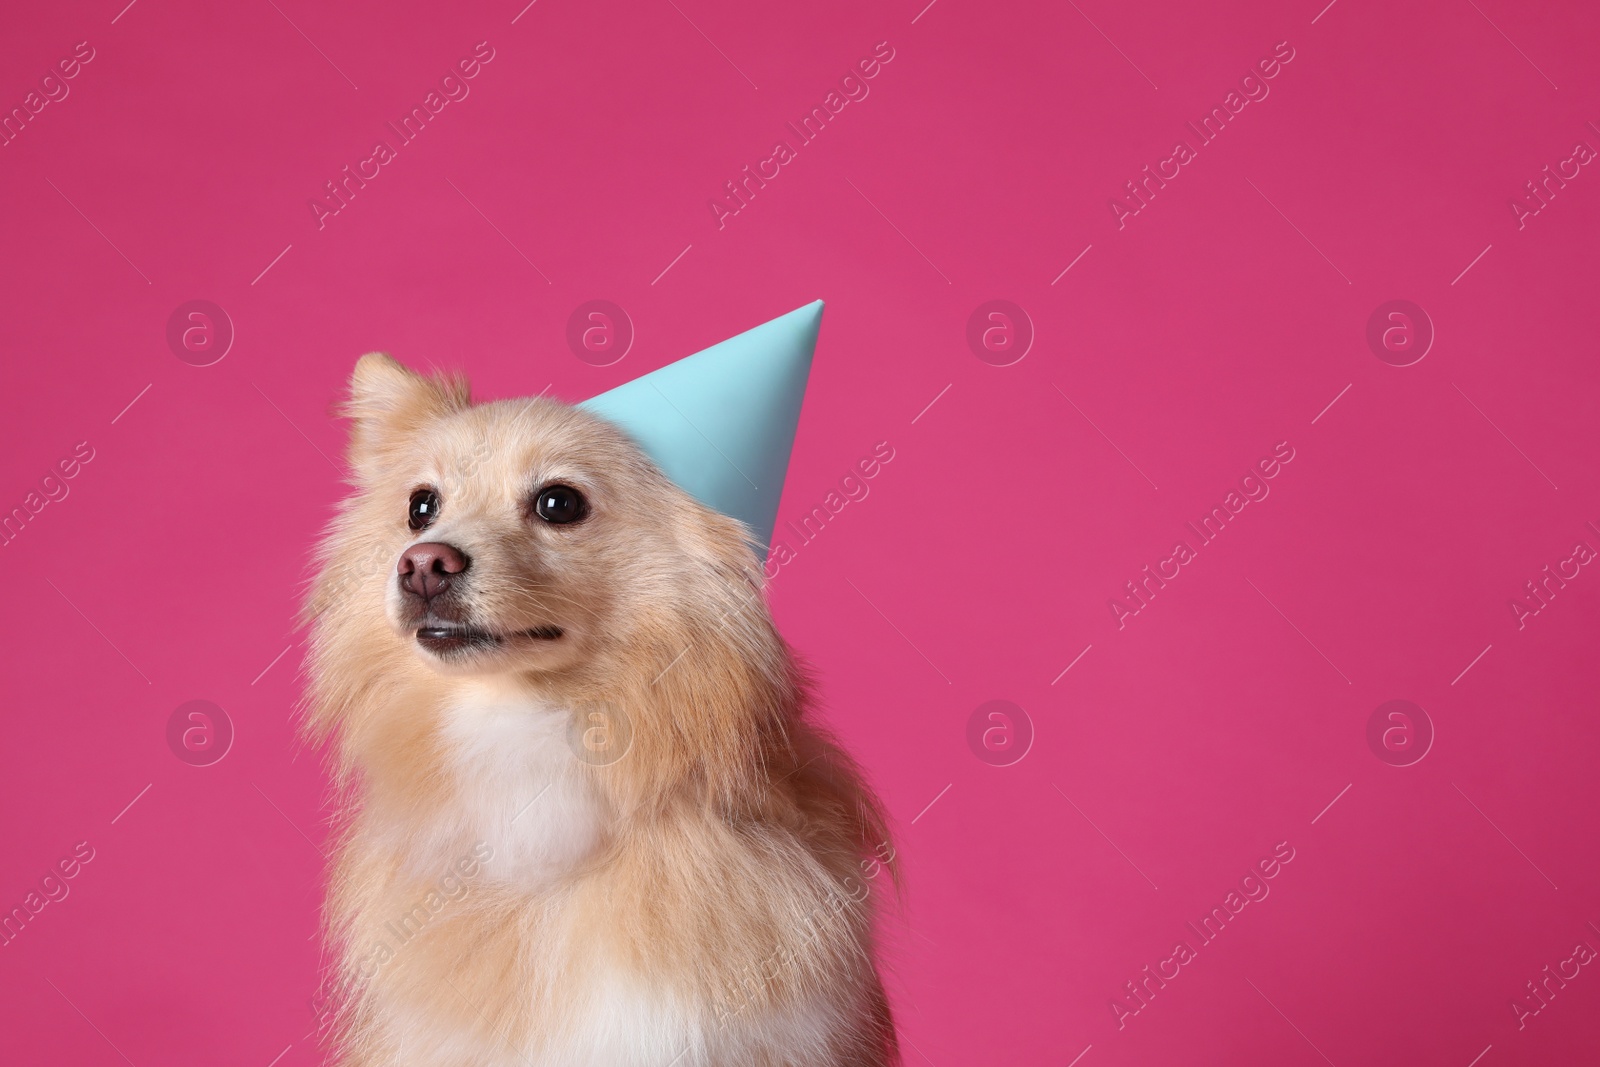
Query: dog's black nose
(427, 569)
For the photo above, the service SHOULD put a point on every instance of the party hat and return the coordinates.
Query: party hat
(720, 423)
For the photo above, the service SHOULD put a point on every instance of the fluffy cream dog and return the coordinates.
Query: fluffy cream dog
(584, 818)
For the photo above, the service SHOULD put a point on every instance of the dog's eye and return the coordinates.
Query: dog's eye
(424, 508)
(560, 504)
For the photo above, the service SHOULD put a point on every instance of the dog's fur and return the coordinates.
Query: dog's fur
(675, 852)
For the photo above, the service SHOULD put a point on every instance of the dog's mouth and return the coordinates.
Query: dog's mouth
(447, 639)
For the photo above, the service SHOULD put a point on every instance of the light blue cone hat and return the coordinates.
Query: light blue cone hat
(721, 423)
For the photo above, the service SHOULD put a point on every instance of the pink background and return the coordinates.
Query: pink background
(1220, 320)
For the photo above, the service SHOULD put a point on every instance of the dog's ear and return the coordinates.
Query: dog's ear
(389, 403)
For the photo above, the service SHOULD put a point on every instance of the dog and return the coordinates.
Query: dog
(582, 816)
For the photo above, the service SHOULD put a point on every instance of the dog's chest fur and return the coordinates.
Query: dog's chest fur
(517, 787)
